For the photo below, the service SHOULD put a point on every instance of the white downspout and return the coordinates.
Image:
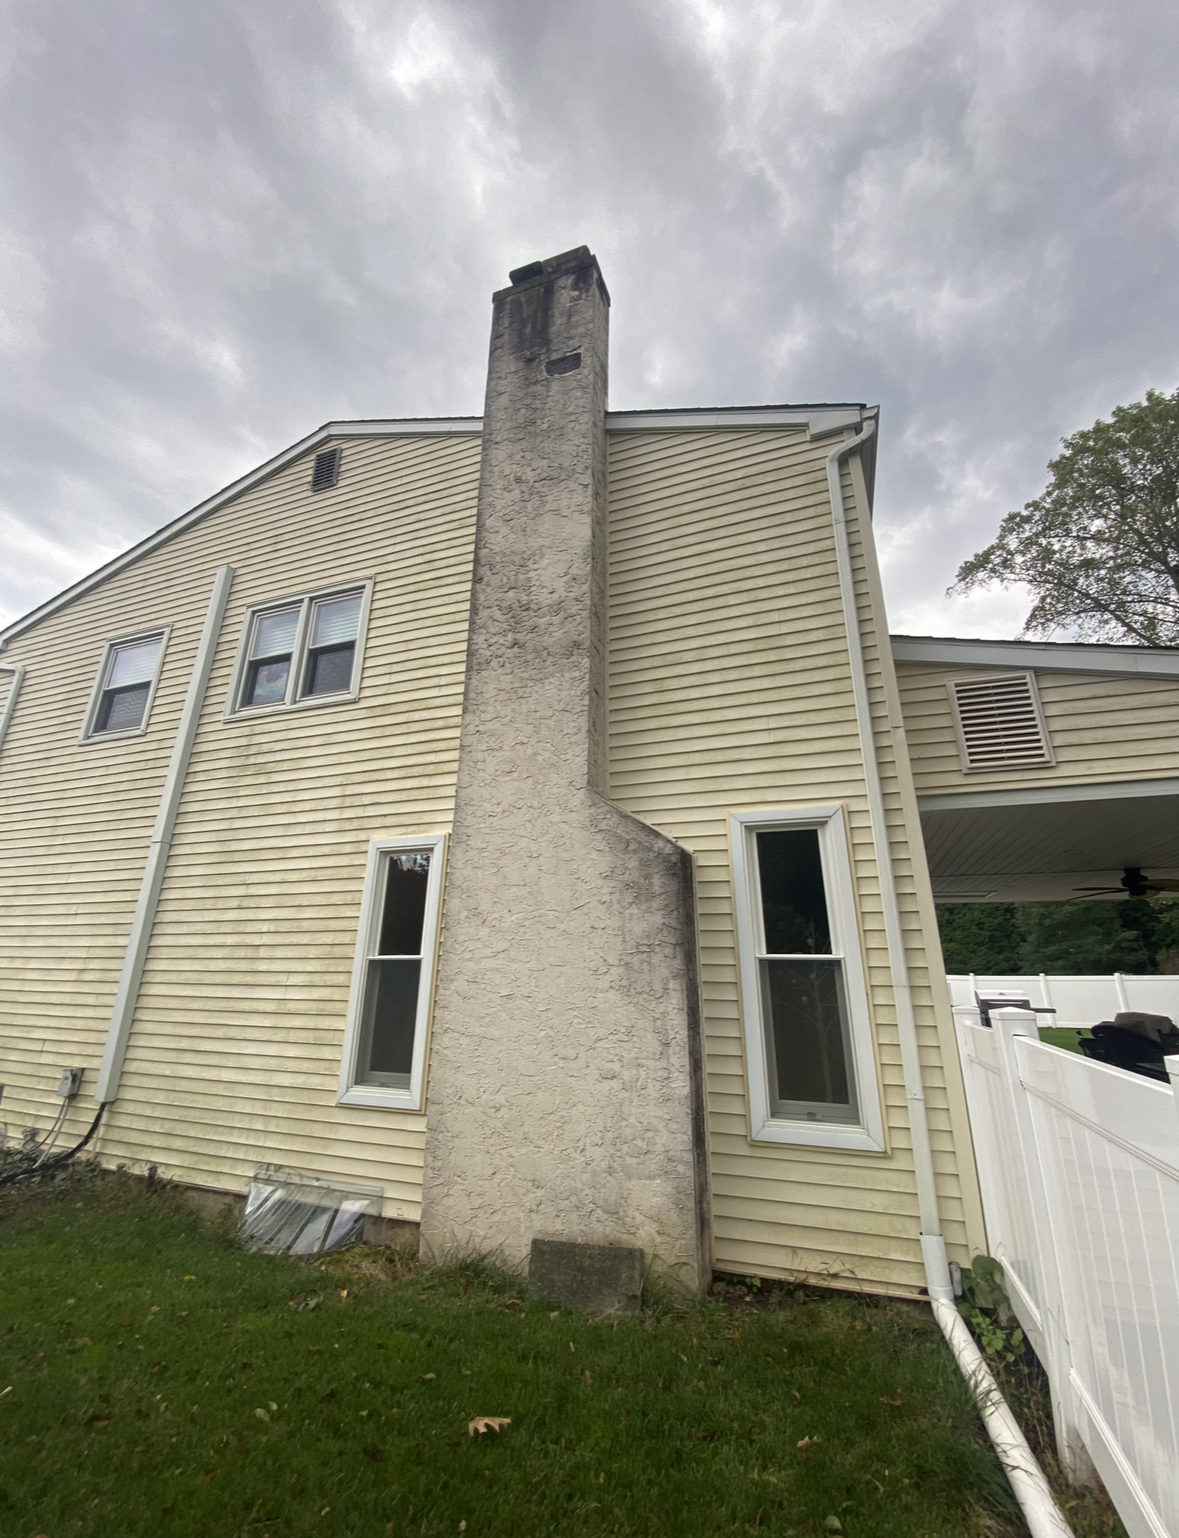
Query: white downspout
(6, 714)
(119, 1029)
(1027, 1480)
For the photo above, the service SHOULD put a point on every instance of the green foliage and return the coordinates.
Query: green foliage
(1067, 939)
(979, 937)
(1078, 937)
(1100, 548)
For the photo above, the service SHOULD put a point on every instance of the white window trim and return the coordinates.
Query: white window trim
(158, 633)
(238, 712)
(412, 1099)
(831, 824)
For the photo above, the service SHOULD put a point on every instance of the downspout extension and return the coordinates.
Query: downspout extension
(1027, 1480)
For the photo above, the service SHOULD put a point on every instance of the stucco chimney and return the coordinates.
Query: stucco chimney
(564, 1097)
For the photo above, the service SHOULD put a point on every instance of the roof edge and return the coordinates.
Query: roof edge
(1054, 656)
(344, 429)
(818, 419)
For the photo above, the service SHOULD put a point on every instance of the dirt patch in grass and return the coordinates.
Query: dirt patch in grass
(159, 1381)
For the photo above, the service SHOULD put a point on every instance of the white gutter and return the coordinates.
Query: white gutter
(1027, 1480)
(10, 703)
(119, 1029)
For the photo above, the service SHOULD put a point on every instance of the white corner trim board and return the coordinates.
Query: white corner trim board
(127, 994)
(9, 710)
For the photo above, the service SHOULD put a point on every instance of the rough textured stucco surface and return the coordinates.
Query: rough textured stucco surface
(564, 1073)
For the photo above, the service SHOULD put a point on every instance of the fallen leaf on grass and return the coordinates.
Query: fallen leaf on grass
(262, 1415)
(332, 1393)
(428, 1377)
(188, 1278)
(885, 1400)
(97, 1421)
(808, 1441)
(483, 1423)
(587, 1377)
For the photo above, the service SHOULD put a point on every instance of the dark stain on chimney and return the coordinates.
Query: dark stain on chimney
(565, 365)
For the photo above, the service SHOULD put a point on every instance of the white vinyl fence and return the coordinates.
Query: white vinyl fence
(1078, 1000)
(1079, 1166)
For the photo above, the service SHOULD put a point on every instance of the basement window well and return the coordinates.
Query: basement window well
(812, 1075)
(393, 975)
(301, 651)
(125, 686)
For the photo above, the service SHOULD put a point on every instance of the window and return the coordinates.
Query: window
(126, 683)
(812, 1073)
(302, 651)
(1000, 722)
(392, 981)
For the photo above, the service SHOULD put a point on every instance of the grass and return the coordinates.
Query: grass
(1066, 1036)
(156, 1380)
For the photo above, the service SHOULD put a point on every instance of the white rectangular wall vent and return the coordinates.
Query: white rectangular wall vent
(1000, 722)
(327, 470)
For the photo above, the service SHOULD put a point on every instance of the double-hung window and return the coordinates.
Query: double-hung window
(392, 980)
(126, 682)
(812, 1075)
(302, 651)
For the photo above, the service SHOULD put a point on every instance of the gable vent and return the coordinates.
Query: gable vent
(1000, 722)
(327, 470)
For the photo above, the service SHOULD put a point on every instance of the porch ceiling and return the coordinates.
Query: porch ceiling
(1041, 845)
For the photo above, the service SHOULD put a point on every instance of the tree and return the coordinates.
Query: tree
(1078, 937)
(1100, 548)
(979, 937)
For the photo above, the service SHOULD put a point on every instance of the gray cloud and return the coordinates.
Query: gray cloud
(229, 223)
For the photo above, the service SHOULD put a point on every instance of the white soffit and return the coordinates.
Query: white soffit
(1048, 656)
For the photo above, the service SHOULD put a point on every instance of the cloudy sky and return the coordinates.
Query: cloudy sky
(227, 222)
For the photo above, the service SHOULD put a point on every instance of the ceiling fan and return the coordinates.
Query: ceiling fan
(1132, 884)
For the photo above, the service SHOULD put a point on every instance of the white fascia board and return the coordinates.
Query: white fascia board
(1049, 656)
(411, 427)
(1048, 795)
(817, 420)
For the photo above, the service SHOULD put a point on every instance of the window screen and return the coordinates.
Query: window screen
(272, 646)
(129, 675)
(332, 648)
(300, 650)
(389, 1009)
(804, 1005)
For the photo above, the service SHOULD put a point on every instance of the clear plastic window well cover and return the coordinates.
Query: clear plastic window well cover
(296, 1214)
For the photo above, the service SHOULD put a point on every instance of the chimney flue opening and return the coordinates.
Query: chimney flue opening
(523, 274)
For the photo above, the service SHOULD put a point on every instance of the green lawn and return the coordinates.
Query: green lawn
(157, 1381)
(1066, 1036)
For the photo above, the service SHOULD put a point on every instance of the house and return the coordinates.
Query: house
(528, 816)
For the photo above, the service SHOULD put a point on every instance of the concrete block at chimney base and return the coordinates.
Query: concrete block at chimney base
(590, 1278)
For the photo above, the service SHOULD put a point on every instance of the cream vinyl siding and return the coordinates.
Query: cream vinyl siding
(730, 691)
(1103, 727)
(234, 1055)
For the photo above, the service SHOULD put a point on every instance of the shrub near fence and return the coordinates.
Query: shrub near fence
(1079, 1168)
